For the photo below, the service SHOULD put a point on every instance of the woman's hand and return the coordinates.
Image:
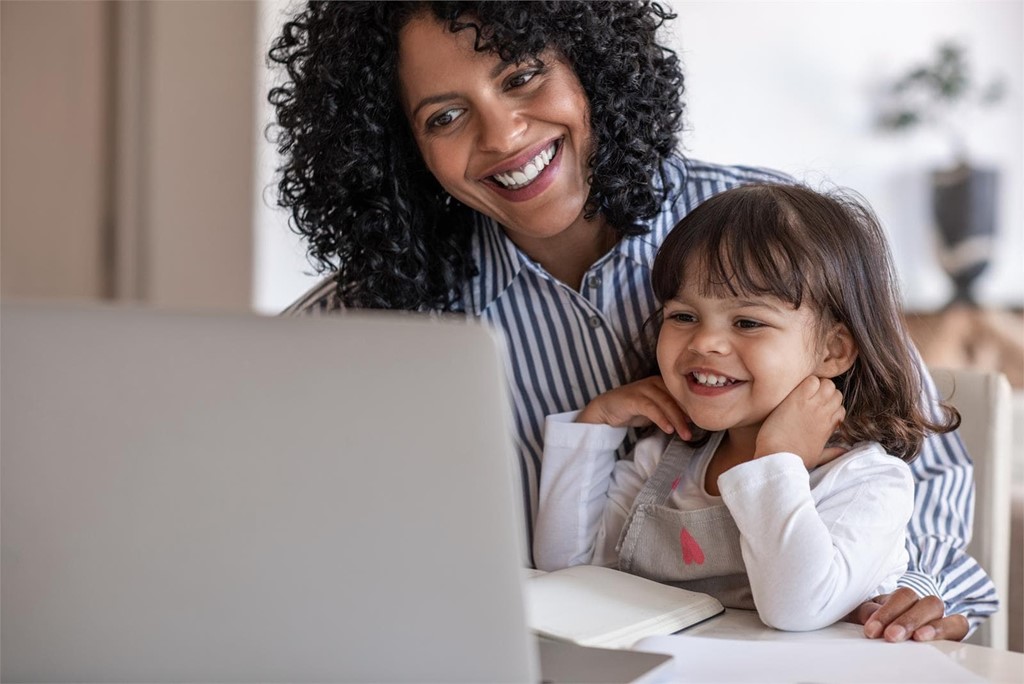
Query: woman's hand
(803, 423)
(901, 615)
(638, 404)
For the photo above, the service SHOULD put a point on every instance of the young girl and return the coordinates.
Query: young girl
(781, 339)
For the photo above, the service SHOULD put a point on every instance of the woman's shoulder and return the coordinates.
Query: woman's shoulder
(320, 299)
(695, 171)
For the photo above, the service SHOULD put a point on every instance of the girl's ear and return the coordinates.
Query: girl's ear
(840, 352)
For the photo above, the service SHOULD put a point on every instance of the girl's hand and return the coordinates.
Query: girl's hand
(638, 404)
(803, 423)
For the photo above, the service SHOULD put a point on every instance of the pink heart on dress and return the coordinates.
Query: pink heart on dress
(692, 553)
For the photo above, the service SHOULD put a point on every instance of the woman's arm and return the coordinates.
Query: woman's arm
(813, 556)
(937, 539)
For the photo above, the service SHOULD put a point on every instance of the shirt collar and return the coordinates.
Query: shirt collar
(498, 261)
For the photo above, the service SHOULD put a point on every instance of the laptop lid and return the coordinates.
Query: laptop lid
(197, 497)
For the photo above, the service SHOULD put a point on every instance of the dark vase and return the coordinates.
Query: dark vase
(964, 206)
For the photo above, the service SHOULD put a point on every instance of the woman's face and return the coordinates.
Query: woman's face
(509, 140)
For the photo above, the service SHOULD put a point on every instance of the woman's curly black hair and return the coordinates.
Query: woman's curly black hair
(354, 180)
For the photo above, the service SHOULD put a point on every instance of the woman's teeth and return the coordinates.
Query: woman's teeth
(513, 180)
(712, 380)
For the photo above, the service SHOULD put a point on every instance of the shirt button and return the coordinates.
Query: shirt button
(594, 281)
(595, 322)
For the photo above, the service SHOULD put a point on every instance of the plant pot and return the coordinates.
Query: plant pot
(964, 208)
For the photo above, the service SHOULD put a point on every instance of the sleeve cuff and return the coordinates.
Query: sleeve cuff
(560, 430)
(922, 584)
(752, 475)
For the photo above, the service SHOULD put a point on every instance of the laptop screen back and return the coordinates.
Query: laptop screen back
(234, 498)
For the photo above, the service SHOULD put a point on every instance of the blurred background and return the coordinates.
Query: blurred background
(134, 165)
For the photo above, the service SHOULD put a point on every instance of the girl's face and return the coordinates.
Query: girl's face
(508, 140)
(729, 361)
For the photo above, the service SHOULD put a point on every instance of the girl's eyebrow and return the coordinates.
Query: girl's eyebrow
(764, 304)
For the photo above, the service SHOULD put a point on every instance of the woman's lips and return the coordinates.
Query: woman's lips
(539, 184)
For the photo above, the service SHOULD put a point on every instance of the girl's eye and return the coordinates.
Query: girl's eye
(682, 317)
(445, 118)
(747, 324)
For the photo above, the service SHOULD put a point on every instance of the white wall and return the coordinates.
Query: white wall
(280, 269)
(789, 85)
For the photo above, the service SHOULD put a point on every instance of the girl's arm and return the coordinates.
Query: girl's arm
(812, 557)
(585, 494)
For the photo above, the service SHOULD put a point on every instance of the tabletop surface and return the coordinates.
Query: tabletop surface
(992, 664)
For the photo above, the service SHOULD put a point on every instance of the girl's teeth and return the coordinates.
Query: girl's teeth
(710, 379)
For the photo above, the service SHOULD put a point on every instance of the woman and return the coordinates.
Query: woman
(516, 162)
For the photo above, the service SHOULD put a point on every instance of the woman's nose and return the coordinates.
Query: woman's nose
(501, 128)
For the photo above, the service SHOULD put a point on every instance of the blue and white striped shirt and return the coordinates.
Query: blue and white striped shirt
(567, 347)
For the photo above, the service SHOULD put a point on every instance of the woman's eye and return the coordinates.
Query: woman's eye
(445, 118)
(522, 78)
(747, 324)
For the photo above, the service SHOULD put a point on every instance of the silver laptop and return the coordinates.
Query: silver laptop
(191, 497)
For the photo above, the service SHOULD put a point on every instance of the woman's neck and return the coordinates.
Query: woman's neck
(568, 255)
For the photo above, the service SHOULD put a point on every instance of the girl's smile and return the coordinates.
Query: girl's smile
(709, 383)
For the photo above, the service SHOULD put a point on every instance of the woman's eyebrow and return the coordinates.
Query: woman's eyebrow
(433, 99)
(496, 71)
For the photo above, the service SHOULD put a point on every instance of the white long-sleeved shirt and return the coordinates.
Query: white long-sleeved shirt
(815, 545)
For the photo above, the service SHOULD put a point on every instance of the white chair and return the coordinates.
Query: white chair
(984, 402)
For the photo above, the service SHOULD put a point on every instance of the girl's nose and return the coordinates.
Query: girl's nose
(501, 128)
(709, 340)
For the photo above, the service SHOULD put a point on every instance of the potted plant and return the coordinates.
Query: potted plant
(938, 94)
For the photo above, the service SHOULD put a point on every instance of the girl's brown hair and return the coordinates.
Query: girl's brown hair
(826, 250)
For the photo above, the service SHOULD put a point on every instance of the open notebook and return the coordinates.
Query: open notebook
(596, 606)
(200, 497)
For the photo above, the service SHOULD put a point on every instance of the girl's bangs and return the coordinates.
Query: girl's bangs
(741, 260)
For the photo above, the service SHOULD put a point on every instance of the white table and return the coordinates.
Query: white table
(994, 665)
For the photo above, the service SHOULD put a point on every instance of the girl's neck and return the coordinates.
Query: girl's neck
(736, 447)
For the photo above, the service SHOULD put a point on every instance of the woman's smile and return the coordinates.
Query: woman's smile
(520, 182)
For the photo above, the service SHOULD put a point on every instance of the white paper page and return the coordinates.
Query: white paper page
(700, 659)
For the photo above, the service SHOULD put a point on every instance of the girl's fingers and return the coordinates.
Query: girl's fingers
(676, 418)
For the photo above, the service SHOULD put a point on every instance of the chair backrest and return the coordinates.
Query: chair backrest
(984, 402)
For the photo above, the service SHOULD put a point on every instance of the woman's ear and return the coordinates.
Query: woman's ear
(840, 351)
